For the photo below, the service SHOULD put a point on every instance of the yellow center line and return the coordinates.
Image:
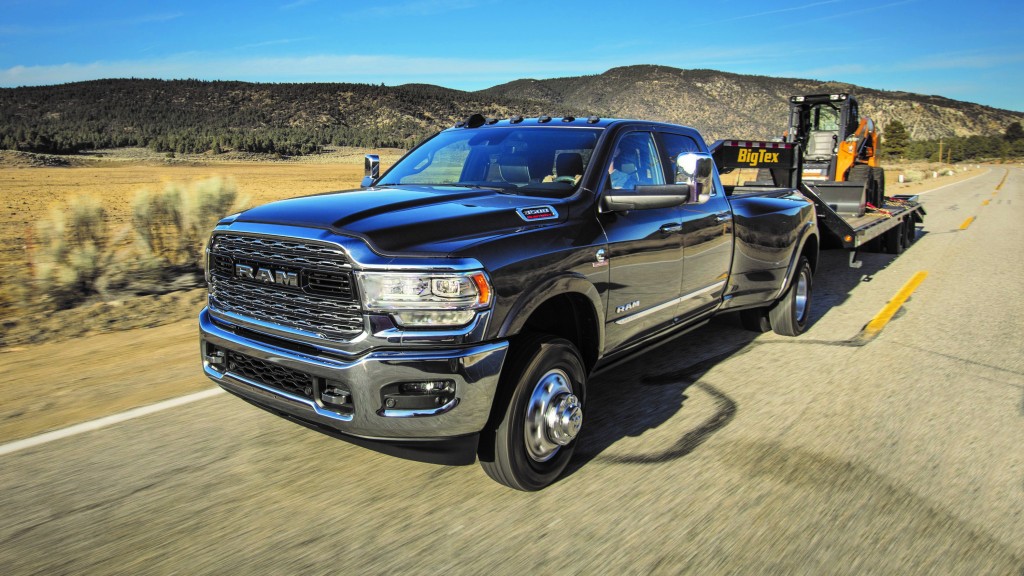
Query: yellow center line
(985, 203)
(1001, 182)
(967, 223)
(883, 317)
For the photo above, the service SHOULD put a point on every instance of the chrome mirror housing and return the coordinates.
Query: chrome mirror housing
(371, 170)
(697, 170)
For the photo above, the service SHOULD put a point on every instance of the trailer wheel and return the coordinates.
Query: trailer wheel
(895, 239)
(910, 232)
(535, 435)
(789, 315)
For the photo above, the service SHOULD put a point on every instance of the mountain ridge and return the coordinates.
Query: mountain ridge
(291, 118)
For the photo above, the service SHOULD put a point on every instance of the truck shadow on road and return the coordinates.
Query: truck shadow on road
(835, 280)
(645, 393)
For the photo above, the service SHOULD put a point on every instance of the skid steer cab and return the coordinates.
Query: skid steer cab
(839, 145)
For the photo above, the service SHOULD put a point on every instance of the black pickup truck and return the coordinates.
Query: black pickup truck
(454, 308)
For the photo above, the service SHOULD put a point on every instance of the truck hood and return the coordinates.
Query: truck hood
(430, 219)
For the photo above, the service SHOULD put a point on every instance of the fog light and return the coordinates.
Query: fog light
(429, 387)
(426, 395)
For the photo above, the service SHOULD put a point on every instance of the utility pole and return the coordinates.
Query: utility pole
(940, 149)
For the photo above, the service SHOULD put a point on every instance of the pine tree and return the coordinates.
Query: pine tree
(1014, 132)
(895, 140)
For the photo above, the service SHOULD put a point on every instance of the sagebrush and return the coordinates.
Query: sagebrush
(173, 225)
(71, 250)
(75, 256)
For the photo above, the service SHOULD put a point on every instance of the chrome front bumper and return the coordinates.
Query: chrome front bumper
(474, 369)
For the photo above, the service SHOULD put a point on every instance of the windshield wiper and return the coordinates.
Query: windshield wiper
(501, 187)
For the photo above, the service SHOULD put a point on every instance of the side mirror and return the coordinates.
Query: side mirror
(645, 198)
(371, 170)
(697, 170)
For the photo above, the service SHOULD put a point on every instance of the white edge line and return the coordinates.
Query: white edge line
(955, 183)
(84, 427)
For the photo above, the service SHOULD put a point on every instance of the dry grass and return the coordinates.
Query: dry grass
(29, 194)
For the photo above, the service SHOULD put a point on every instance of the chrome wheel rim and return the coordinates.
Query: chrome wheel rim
(803, 290)
(553, 416)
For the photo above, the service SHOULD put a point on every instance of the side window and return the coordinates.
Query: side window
(854, 119)
(635, 162)
(676, 144)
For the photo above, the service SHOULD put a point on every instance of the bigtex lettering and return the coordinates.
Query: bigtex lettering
(754, 157)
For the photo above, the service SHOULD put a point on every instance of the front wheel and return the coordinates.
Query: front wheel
(535, 436)
(790, 314)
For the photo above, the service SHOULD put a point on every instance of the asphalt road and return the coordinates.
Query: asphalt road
(721, 452)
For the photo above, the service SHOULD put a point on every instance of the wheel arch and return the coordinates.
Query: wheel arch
(568, 307)
(809, 246)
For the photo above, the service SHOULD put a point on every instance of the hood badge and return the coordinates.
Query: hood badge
(536, 213)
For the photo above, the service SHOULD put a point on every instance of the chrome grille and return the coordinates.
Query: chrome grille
(284, 252)
(324, 301)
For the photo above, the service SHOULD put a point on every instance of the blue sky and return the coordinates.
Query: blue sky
(963, 50)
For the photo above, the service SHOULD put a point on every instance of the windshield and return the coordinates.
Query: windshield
(524, 160)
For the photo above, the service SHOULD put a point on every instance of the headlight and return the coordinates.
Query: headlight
(425, 300)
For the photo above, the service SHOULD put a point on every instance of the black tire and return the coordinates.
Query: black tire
(895, 239)
(789, 316)
(756, 320)
(542, 377)
(910, 231)
(878, 176)
(861, 174)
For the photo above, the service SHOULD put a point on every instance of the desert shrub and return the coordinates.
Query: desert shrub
(70, 251)
(913, 175)
(173, 225)
(74, 257)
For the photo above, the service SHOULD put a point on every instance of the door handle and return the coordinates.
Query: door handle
(671, 228)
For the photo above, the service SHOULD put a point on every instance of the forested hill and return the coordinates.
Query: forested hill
(198, 116)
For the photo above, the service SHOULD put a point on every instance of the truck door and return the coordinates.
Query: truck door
(644, 247)
(707, 237)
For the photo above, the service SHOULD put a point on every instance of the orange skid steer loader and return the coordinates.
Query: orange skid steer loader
(839, 146)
